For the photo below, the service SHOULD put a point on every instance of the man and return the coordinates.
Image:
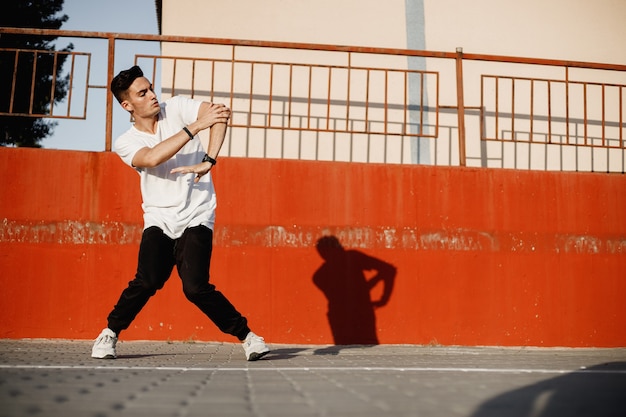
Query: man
(179, 207)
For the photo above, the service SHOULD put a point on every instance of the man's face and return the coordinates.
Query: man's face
(141, 100)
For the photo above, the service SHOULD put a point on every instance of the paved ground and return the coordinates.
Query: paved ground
(58, 378)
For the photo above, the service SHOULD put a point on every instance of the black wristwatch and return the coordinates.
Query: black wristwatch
(207, 158)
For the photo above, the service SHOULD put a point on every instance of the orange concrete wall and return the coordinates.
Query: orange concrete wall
(482, 256)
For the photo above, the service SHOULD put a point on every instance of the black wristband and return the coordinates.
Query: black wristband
(188, 132)
(207, 158)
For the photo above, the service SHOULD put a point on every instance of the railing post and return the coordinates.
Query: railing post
(460, 105)
(109, 116)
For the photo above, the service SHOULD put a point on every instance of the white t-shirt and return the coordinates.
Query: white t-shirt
(172, 202)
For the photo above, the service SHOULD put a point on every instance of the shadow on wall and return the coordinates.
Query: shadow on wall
(347, 278)
(598, 391)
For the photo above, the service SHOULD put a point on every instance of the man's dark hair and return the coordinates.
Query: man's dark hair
(122, 81)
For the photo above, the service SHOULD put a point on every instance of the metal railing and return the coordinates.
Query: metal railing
(34, 55)
(531, 88)
(407, 99)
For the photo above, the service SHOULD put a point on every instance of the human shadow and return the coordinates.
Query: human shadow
(598, 391)
(284, 353)
(343, 280)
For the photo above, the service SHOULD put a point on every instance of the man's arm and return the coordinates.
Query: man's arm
(209, 116)
(216, 139)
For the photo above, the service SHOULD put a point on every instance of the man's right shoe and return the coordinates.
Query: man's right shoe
(104, 346)
(254, 347)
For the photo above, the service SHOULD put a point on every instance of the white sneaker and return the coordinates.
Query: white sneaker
(104, 346)
(255, 347)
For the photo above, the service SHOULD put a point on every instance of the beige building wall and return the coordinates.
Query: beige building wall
(576, 30)
(579, 30)
(340, 22)
(573, 30)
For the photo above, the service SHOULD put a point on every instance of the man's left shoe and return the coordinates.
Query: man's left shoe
(255, 347)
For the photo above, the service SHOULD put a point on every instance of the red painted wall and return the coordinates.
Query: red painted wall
(482, 256)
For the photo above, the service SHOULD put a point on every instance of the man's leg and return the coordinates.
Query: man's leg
(154, 267)
(156, 260)
(193, 256)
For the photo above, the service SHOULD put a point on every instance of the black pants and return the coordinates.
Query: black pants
(191, 254)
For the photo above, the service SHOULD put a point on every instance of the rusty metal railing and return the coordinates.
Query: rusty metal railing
(345, 91)
(28, 108)
(558, 129)
(315, 97)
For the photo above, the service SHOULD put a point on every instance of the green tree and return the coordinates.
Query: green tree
(26, 79)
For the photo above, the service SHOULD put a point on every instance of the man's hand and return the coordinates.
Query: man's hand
(210, 114)
(198, 169)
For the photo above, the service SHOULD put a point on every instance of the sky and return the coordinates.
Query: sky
(122, 16)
